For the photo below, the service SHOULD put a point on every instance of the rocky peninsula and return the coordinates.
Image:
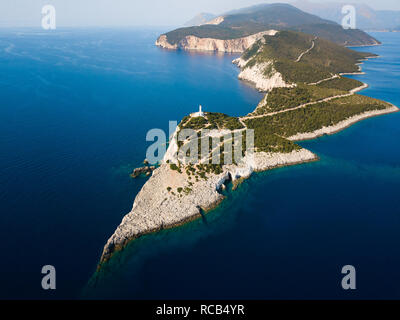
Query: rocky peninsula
(161, 205)
(304, 99)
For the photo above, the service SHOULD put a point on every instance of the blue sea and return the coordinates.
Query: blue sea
(75, 107)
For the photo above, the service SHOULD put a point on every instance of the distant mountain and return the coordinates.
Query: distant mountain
(279, 15)
(367, 18)
(200, 19)
(249, 21)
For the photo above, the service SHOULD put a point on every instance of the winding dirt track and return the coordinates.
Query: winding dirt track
(352, 92)
(307, 51)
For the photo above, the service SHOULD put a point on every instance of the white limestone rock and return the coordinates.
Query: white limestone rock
(155, 208)
(263, 76)
(191, 42)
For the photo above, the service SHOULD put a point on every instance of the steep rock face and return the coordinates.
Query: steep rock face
(208, 44)
(155, 208)
(263, 76)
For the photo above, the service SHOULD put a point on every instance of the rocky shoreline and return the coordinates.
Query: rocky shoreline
(146, 170)
(256, 76)
(156, 208)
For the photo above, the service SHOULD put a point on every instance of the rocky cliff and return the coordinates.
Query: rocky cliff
(191, 42)
(158, 207)
(263, 76)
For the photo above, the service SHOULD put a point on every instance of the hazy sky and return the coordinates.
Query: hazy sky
(133, 12)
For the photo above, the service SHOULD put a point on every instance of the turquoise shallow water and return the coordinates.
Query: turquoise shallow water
(75, 109)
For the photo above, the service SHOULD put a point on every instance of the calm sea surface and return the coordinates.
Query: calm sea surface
(75, 107)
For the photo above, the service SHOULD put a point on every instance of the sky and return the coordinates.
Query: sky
(81, 13)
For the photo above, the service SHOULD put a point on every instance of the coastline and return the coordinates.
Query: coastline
(155, 211)
(365, 45)
(342, 125)
(151, 214)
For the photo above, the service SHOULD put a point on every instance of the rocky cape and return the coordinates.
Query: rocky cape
(156, 208)
(257, 75)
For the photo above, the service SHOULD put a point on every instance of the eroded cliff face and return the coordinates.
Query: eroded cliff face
(162, 41)
(263, 76)
(156, 207)
(208, 44)
(160, 204)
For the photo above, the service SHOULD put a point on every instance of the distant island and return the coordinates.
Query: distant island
(306, 97)
(236, 31)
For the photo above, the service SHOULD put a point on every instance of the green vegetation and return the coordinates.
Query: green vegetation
(324, 60)
(222, 121)
(345, 84)
(293, 72)
(312, 118)
(287, 45)
(287, 98)
(208, 31)
(212, 121)
(252, 51)
(196, 123)
(281, 52)
(270, 131)
(331, 32)
(174, 167)
(203, 169)
(264, 141)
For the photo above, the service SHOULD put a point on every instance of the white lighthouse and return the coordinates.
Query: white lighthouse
(198, 114)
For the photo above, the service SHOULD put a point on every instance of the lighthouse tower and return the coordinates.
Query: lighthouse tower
(201, 114)
(198, 114)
